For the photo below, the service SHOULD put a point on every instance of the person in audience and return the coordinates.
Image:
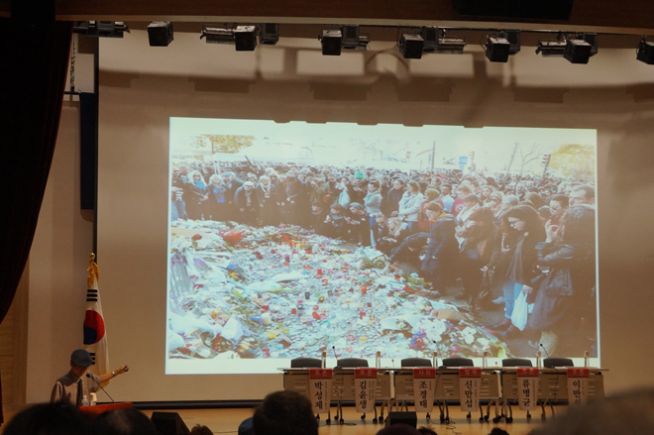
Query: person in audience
(195, 194)
(564, 302)
(246, 202)
(123, 422)
(583, 194)
(74, 387)
(409, 207)
(285, 413)
(627, 413)
(59, 418)
(200, 429)
(441, 247)
(426, 431)
(246, 427)
(528, 229)
(479, 235)
(558, 206)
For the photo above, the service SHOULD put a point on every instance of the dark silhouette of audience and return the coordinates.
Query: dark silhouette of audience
(57, 418)
(285, 413)
(123, 422)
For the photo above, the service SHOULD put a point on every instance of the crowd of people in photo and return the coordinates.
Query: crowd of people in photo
(492, 237)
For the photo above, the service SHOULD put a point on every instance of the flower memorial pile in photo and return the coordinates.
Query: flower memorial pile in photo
(237, 291)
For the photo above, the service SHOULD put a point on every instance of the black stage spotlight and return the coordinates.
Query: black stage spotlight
(352, 38)
(577, 50)
(411, 45)
(217, 35)
(551, 48)
(160, 33)
(430, 37)
(646, 52)
(513, 36)
(449, 45)
(105, 29)
(331, 41)
(497, 48)
(245, 38)
(269, 34)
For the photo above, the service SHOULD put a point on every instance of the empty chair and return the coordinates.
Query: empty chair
(550, 363)
(306, 363)
(351, 362)
(458, 362)
(415, 362)
(516, 362)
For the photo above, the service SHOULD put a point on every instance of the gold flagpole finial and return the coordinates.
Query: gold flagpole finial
(92, 256)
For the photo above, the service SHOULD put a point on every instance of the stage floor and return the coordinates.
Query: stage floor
(226, 421)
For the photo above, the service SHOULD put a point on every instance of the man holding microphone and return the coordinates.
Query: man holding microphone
(74, 387)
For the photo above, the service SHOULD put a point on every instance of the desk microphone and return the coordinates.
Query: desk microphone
(88, 375)
(334, 350)
(544, 350)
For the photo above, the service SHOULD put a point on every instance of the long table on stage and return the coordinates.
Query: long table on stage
(394, 387)
(552, 386)
(297, 379)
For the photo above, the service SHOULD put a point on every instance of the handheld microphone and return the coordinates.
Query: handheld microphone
(544, 350)
(334, 350)
(88, 375)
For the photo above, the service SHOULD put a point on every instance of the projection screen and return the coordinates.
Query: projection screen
(293, 240)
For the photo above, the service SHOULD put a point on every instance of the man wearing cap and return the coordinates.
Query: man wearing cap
(74, 387)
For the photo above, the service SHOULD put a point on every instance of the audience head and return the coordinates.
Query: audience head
(583, 194)
(627, 413)
(200, 429)
(123, 422)
(58, 418)
(285, 413)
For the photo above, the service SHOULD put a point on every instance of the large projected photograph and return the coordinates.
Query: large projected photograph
(288, 240)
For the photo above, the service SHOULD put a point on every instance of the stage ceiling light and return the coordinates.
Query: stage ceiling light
(577, 51)
(411, 45)
(497, 48)
(352, 38)
(217, 35)
(551, 48)
(331, 41)
(160, 33)
(430, 35)
(449, 45)
(104, 29)
(646, 52)
(269, 34)
(576, 48)
(245, 38)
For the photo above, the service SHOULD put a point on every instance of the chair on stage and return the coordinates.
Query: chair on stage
(554, 362)
(310, 363)
(506, 403)
(457, 362)
(415, 362)
(516, 362)
(351, 363)
(306, 363)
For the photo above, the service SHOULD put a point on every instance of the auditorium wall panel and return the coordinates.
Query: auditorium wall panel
(142, 87)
